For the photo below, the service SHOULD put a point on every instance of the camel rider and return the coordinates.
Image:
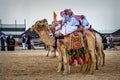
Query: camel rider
(70, 26)
(62, 22)
(84, 24)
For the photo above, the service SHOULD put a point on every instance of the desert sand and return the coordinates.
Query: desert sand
(34, 65)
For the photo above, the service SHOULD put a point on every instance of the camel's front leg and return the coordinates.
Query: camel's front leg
(103, 58)
(65, 62)
(60, 59)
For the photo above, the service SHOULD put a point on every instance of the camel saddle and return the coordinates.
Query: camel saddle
(75, 41)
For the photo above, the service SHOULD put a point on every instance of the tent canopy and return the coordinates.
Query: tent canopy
(29, 33)
(116, 32)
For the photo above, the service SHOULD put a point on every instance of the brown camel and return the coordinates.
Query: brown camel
(99, 54)
(95, 53)
(100, 50)
(90, 44)
(41, 27)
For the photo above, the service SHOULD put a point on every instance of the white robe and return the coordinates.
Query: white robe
(70, 26)
(85, 23)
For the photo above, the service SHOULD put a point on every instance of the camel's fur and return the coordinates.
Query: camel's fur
(100, 51)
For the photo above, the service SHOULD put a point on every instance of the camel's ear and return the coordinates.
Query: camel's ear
(44, 20)
(31, 29)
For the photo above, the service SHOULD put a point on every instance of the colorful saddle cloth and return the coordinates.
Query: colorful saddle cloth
(75, 41)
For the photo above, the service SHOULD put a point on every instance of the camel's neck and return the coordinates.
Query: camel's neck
(44, 35)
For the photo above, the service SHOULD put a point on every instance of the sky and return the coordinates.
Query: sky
(103, 15)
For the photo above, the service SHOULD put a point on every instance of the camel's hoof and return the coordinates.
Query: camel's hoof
(65, 73)
(103, 65)
(52, 57)
(91, 72)
(69, 72)
(58, 71)
(46, 55)
(97, 68)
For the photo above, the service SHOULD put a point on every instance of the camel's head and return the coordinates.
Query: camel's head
(40, 25)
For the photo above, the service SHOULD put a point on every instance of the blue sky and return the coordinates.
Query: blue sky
(104, 15)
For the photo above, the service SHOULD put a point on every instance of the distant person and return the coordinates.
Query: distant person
(111, 41)
(2, 42)
(24, 41)
(108, 43)
(105, 42)
(10, 43)
(29, 43)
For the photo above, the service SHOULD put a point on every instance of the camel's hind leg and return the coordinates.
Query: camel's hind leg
(103, 58)
(96, 62)
(100, 55)
(91, 50)
(100, 51)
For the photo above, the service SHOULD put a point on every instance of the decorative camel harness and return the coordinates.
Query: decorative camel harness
(77, 51)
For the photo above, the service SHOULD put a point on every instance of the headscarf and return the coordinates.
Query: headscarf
(82, 16)
(62, 13)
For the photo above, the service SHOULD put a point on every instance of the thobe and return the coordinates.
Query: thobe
(70, 26)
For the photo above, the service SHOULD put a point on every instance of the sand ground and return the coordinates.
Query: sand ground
(34, 65)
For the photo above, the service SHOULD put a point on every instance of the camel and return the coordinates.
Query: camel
(96, 49)
(41, 27)
(100, 50)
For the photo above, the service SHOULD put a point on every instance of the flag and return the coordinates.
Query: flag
(54, 16)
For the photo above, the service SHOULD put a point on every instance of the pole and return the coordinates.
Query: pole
(0, 25)
(15, 28)
(25, 23)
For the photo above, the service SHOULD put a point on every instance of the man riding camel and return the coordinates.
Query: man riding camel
(84, 24)
(68, 25)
